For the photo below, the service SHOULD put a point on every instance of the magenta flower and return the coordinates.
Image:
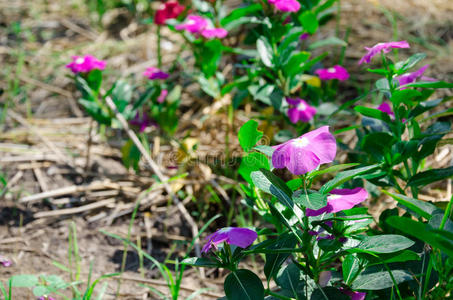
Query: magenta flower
(384, 47)
(211, 33)
(200, 26)
(286, 5)
(353, 295)
(154, 73)
(142, 121)
(241, 237)
(85, 64)
(340, 199)
(46, 298)
(412, 77)
(307, 152)
(5, 261)
(336, 72)
(162, 96)
(300, 111)
(386, 108)
(304, 36)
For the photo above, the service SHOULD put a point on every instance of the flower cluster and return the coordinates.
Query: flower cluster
(200, 26)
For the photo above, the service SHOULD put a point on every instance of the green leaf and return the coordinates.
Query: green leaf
(431, 85)
(330, 41)
(291, 278)
(406, 96)
(94, 80)
(401, 256)
(274, 261)
(309, 21)
(249, 135)
(24, 280)
(130, 155)
(385, 243)
(378, 143)
(422, 232)
(243, 285)
(266, 181)
(264, 51)
(430, 176)
(200, 262)
(380, 280)
(423, 107)
(240, 12)
(422, 208)
(294, 64)
(402, 67)
(342, 177)
(373, 113)
(331, 169)
(253, 162)
(351, 268)
(311, 199)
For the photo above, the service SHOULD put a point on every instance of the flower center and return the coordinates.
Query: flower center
(301, 142)
(334, 197)
(302, 106)
(331, 70)
(79, 60)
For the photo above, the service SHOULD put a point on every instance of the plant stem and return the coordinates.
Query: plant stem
(159, 50)
(278, 296)
(446, 214)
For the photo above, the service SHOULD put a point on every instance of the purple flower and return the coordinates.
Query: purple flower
(162, 96)
(307, 152)
(5, 261)
(286, 5)
(241, 237)
(154, 73)
(46, 298)
(200, 26)
(353, 295)
(85, 64)
(384, 47)
(340, 199)
(386, 108)
(412, 77)
(304, 36)
(300, 111)
(336, 72)
(142, 121)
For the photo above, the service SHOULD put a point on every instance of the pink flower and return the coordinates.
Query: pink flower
(385, 107)
(301, 110)
(46, 298)
(194, 24)
(412, 77)
(200, 26)
(340, 199)
(241, 237)
(162, 96)
(154, 73)
(384, 47)
(336, 72)
(307, 152)
(5, 261)
(286, 5)
(211, 33)
(167, 11)
(85, 64)
(353, 295)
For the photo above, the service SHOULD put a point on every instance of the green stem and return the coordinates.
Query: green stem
(394, 282)
(446, 214)
(159, 53)
(278, 296)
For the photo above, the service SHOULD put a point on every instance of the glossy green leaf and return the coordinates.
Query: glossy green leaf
(342, 177)
(253, 162)
(350, 267)
(422, 208)
(311, 199)
(430, 176)
(291, 278)
(380, 280)
(274, 261)
(266, 181)
(431, 85)
(243, 285)
(385, 243)
(373, 113)
(264, 51)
